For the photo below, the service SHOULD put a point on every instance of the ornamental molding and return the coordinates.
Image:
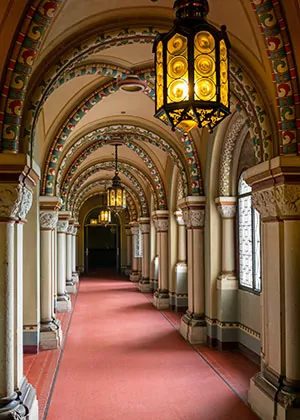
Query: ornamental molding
(15, 201)
(48, 220)
(227, 211)
(194, 218)
(145, 228)
(161, 225)
(278, 201)
(62, 226)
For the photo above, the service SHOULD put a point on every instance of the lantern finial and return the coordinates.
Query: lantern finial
(191, 9)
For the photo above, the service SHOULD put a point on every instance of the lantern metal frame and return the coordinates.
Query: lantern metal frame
(116, 190)
(189, 113)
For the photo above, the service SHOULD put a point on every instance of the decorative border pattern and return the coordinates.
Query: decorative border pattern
(82, 197)
(242, 327)
(69, 196)
(280, 52)
(129, 133)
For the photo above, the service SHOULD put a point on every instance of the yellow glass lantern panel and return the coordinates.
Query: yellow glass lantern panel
(205, 77)
(177, 69)
(224, 73)
(159, 76)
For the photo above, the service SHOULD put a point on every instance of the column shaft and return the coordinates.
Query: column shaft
(161, 296)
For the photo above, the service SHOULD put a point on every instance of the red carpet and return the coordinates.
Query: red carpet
(124, 360)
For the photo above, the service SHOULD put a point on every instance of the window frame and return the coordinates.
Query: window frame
(249, 289)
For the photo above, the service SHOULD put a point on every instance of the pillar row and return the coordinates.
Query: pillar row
(51, 334)
(63, 298)
(134, 276)
(144, 284)
(161, 296)
(181, 268)
(17, 397)
(128, 250)
(70, 284)
(193, 325)
(227, 283)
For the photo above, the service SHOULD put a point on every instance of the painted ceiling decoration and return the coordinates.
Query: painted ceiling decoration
(129, 133)
(39, 17)
(70, 188)
(85, 194)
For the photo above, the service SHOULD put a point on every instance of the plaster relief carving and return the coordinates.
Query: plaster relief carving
(194, 218)
(162, 225)
(62, 226)
(288, 199)
(264, 203)
(145, 228)
(227, 211)
(15, 201)
(48, 220)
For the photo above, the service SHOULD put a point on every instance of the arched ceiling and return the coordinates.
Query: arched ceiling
(74, 83)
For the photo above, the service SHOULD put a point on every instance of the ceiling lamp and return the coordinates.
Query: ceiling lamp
(104, 217)
(116, 195)
(192, 70)
(131, 84)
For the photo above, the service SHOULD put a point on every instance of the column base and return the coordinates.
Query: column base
(144, 286)
(193, 328)
(50, 335)
(71, 287)
(31, 339)
(134, 277)
(75, 277)
(178, 302)
(161, 299)
(127, 271)
(270, 402)
(21, 405)
(64, 303)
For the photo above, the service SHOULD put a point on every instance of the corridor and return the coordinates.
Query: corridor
(123, 359)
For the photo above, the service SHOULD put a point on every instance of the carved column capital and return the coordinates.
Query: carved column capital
(62, 226)
(70, 229)
(145, 228)
(226, 207)
(194, 218)
(134, 229)
(15, 201)
(48, 220)
(161, 225)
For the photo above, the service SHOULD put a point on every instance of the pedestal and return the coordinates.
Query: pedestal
(161, 299)
(193, 329)
(50, 336)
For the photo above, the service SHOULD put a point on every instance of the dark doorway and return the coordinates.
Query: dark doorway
(102, 245)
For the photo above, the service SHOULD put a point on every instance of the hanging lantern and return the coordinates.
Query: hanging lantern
(116, 195)
(192, 70)
(93, 221)
(104, 217)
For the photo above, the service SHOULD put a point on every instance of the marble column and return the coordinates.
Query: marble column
(63, 298)
(71, 285)
(161, 296)
(227, 283)
(275, 391)
(193, 325)
(144, 284)
(51, 334)
(181, 268)
(128, 250)
(74, 237)
(134, 276)
(17, 397)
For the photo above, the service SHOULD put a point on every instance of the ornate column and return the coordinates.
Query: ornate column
(74, 236)
(71, 285)
(144, 284)
(128, 250)
(154, 256)
(63, 298)
(181, 268)
(51, 334)
(161, 296)
(227, 283)
(193, 325)
(275, 391)
(134, 276)
(17, 397)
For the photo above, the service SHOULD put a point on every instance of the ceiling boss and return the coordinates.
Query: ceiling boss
(192, 70)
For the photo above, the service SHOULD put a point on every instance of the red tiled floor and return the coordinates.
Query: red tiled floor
(40, 368)
(234, 367)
